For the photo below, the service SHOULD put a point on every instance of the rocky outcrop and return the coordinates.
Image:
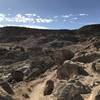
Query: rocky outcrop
(45, 60)
(17, 75)
(70, 69)
(96, 66)
(61, 55)
(87, 57)
(35, 72)
(6, 97)
(97, 44)
(72, 91)
(3, 51)
(49, 86)
(5, 86)
(42, 62)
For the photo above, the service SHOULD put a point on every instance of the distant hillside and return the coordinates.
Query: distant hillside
(16, 34)
(50, 64)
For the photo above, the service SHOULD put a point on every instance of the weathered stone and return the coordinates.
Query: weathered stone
(35, 72)
(5, 86)
(96, 67)
(49, 87)
(42, 62)
(63, 54)
(87, 57)
(70, 91)
(6, 97)
(70, 69)
(81, 71)
(17, 75)
(82, 89)
(97, 44)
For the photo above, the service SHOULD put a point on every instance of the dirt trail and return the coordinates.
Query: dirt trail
(37, 93)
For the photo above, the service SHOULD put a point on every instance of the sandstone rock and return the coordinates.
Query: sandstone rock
(18, 48)
(70, 69)
(81, 71)
(17, 75)
(98, 96)
(96, 66)
(70, 91)
(39, 65)
(35, 72)
(42, 62)
(3, 51)
(97, 44)
(63, 54)
(69, 97)
(5, 86)
(49, 87)
(6, 97)
(87, 57)
(59, 44)
(25, 95)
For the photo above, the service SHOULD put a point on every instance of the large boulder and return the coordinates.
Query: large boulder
(3, 51)
(96, 66)
(87, 57)
(58, 43)
(81, 88)
(63, 54)
(39, 65)
(6, 97)
(70, 69)
(17, 75)
(72, 91)
(42, 62)
(35, 72)
(97, 44)
(5, 86)
(48, 87)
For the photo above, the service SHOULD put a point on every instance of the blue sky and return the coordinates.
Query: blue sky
(53, 14)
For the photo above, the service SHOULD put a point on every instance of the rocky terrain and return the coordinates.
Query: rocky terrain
(39, 64)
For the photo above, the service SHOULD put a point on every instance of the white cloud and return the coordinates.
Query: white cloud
(67, 16)
(75, 18)
(26, 18)
(34, 14)
(1, 25)
(55, 17)
(22, 19)
(38, 27)
(72, 17)
(9, 14)
(83, 14)
(30, 15)
(31, 18)
(7, 19)
(71, 20)
(43, 20)
(2, 17)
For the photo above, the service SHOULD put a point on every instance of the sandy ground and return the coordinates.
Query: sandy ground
(34, 89)
(37, 93)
